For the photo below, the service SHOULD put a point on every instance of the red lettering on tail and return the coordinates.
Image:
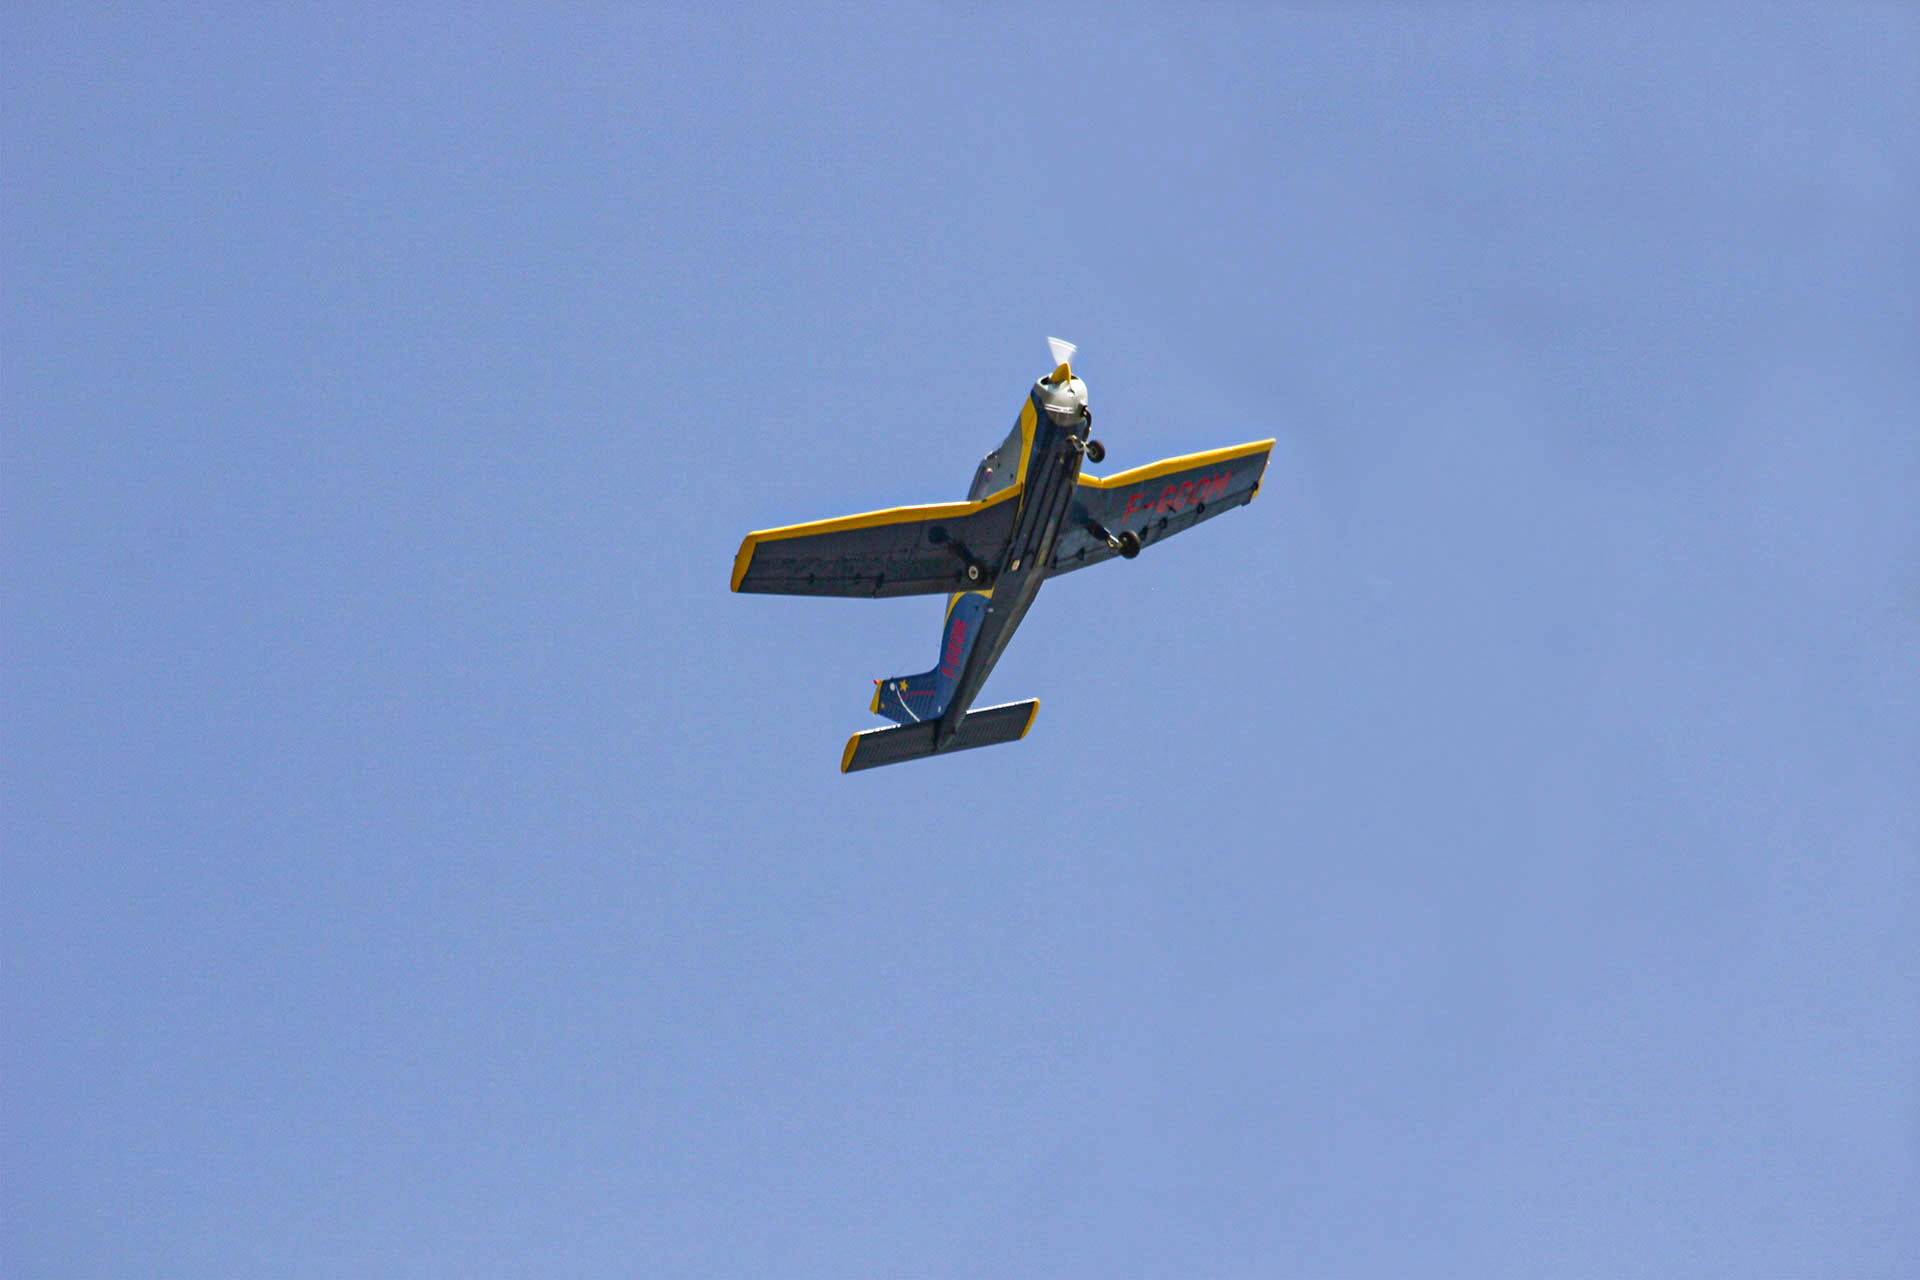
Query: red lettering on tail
(956, 649)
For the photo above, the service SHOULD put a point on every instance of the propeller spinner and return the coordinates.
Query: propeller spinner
(1065, 396)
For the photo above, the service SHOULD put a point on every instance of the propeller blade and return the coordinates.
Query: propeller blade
(1062, 350)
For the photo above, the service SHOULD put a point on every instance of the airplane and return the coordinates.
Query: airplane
(1030, 514)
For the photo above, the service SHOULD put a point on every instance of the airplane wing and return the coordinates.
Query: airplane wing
(902, 551)
(1158, 500)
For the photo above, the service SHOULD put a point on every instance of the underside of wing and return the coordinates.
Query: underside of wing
(1157, 501)
(901, 551)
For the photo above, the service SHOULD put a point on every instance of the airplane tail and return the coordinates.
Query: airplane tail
(1007, 722)
(920, 699)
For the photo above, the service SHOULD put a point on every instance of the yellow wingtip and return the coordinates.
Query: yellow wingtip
(846, 757)
(742, 560)
(1031, 713)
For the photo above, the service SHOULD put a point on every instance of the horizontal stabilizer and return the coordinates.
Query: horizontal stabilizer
(983, 728)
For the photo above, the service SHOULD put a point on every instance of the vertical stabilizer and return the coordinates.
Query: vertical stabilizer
(922, 698)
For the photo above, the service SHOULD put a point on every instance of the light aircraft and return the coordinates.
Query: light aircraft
(1029, 515)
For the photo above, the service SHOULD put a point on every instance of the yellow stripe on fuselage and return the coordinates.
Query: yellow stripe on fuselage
(1029, 423)
(957, 596)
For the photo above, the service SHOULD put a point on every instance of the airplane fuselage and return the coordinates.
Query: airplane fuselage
(1049, 464)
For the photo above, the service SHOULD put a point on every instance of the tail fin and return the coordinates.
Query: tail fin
(1007, 722)
(921, 699)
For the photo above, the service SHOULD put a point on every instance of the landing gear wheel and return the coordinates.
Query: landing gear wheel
(1096, 452)
(975, 573)
(1129, 544)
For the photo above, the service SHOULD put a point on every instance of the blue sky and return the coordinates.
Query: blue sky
(1495, 852)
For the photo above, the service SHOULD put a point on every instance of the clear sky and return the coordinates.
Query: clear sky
(1494, 852)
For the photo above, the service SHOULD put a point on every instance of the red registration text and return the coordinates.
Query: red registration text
(1178, 497)
(956, 650)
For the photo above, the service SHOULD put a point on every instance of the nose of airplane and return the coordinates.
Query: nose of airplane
(1064, 395)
